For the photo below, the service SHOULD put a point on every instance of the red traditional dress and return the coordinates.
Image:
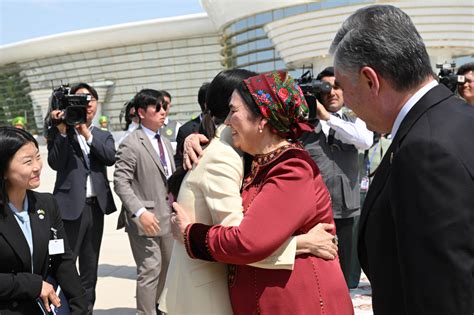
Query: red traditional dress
(283, 196)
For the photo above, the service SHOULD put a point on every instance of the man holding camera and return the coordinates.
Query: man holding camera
(334, 146)
(466, 87)
(80, 155)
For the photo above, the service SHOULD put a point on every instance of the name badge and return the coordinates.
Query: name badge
(56, 246)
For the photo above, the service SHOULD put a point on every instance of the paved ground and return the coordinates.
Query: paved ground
(116, 284)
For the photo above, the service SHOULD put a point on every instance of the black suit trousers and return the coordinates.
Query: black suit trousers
(85, 237)
(344, 235)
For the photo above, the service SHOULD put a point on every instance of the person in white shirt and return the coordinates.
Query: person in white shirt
(334, 146)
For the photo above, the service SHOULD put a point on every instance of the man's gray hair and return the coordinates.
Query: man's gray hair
(384, 38)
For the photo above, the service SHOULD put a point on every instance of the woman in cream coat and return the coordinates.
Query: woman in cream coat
(210, 192)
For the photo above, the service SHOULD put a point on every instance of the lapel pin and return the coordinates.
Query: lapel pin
(40, 213)
(391, 157)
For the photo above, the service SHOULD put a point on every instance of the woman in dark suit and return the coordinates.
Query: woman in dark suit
(32, 239)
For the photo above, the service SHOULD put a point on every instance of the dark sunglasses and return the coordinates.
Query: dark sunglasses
(160, 105)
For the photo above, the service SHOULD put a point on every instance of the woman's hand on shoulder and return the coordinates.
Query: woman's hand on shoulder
(192, 149)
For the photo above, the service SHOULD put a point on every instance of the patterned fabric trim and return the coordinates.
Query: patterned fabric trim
(261, 160)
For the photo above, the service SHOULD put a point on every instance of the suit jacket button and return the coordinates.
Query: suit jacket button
(14, 304)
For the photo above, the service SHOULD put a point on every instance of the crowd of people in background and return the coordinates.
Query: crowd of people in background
(278, 212)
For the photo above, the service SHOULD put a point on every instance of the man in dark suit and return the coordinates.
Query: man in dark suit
(191, 126)
(80, 154)
(416, 240)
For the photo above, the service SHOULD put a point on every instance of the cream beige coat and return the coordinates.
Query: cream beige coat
(210, 192)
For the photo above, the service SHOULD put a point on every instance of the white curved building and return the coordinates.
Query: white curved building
(178, 54)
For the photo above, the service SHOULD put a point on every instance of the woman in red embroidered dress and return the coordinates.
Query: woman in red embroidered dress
(284, 195)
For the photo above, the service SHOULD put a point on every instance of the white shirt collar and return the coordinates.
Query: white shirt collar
(409, 104)
(150, 133)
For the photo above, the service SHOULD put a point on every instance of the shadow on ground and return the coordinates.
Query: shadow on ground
(123, 272)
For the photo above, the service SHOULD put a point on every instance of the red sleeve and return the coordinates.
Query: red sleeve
(285, 203)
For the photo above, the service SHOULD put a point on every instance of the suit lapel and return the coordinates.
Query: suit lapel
(15, 237)
(149, 148)
(40, 231)
(430, 99)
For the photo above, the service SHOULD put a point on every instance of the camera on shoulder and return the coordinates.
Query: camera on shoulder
(312, 90)
(74, 106)
(448, 77)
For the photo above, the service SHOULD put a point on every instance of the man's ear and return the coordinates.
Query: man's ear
(141, 113)
(369, 77)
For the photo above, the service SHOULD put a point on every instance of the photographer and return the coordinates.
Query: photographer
(334, 146)
(466, 88)
(80, 154)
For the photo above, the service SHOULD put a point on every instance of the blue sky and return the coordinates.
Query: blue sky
(25, 19)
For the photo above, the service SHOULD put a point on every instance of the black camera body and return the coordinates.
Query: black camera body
(313, 86)
(73, 106)
(448, 77)
(312, 90)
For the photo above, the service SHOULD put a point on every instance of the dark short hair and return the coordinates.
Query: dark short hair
(327, 72)
(202, 95)
(384, 38)
(165, 93)
(465, 68)
(147, 97)
(84, 86)
(11, 140)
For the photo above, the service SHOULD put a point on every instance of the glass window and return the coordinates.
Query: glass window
(263, 43)
(294, 10)
(252, 46)
(280, 64)
(251, 21)
(259, 32)
(240, 25)
(242, 60)
(252, 57)
(265, 67)
(241, 37)
(265, 55)
(314, 6)
(332, 4)
(277, 14)
(242, 48)
(263, 18)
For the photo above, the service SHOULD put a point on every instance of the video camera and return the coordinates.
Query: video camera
(448, 77)
(312, 89)
(73, 106)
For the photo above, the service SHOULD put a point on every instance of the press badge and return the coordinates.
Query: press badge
(55, 246)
